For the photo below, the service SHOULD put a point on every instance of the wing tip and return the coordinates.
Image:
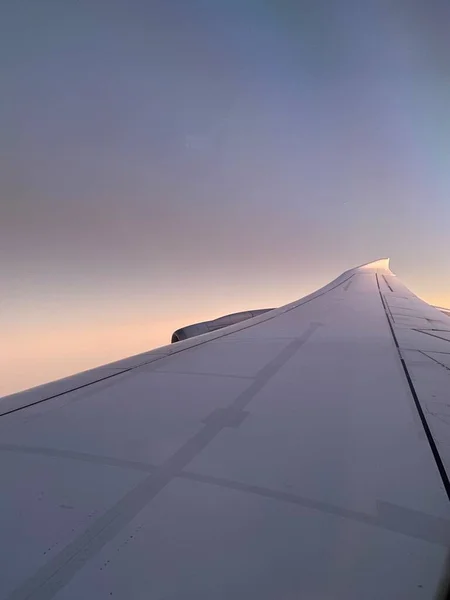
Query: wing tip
(381, 263)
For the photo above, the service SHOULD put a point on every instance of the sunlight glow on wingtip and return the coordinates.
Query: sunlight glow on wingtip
(381, 263)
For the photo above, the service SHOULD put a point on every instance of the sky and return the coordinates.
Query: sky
(164, 162)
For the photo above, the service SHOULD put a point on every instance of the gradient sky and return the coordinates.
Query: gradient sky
(167, 161)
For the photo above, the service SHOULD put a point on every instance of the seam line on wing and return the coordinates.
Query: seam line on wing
(387, 283)
(434, 359)
(79, 387)
(200, 343)
(432, 443)
(54, 575)
(439, 337)
(409, 524)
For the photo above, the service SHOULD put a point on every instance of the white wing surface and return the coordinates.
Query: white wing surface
(303, 453)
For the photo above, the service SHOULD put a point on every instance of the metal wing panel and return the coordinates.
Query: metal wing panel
(422, 333)
(284, 457)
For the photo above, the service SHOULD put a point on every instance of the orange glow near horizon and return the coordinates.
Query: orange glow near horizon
(48, 346)
(37, 352)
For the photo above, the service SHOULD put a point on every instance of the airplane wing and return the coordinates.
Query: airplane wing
(304, 453)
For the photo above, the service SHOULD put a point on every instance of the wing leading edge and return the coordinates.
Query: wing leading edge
(301, 453)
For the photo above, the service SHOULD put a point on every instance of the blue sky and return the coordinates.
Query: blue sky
(173, 160)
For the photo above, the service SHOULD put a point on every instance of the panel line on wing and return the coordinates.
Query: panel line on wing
(55, 574)
(81, 456)
(387, 283)
(439, 337)
(388, 516)
(434, 359)
(155, 357)
(430, 438)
